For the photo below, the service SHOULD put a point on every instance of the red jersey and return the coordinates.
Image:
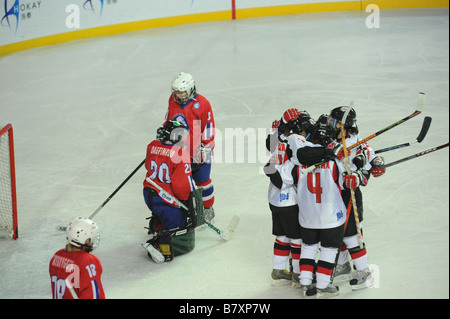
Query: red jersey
(82, 269)
(197, 117)
(170, 167)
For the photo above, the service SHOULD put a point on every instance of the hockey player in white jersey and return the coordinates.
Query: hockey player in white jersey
(283, 205)
(363, 164)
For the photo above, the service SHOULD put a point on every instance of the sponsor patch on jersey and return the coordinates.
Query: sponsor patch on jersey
(284, 196)
(339, 215)
(196, 105)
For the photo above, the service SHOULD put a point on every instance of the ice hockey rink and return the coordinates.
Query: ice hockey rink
(83, 113)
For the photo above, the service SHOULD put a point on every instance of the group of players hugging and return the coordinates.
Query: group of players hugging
(313, 171)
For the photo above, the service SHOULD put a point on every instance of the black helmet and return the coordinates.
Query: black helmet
(304, 123)
(171, 133)
(322, 131)
(336, 116)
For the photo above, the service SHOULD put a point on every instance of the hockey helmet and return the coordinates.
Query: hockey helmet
(322, 131)
(183, 82)
(172, 132)
(336, 116)
(83, 233)
(304, 123)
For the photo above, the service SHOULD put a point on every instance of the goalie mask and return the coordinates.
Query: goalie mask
(183, 88)
(172, 132)
(83, 233)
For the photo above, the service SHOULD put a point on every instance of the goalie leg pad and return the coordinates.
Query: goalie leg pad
(183, 241)
(195, 205)
(176, 243)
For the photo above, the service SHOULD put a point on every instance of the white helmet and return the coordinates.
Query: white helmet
(83, 232)
(183, 82)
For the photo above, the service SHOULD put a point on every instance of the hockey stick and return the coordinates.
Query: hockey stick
(419, 110)
(425, 126)
(63, 228)
(428, 151)
(225, 235)
(347, 165)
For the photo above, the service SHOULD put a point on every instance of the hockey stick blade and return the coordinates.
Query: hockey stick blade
(428, 151)
(425, 128)
(225, 235)
(231, 227)
(421, 101)
(423, 132)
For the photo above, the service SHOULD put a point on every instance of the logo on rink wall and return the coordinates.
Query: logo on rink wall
(73, 19)
(95, 7)
(11, 11)
(15, 11)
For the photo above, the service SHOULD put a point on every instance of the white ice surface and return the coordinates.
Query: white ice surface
(83, 113)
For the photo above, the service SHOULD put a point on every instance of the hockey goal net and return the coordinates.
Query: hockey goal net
(8, 202)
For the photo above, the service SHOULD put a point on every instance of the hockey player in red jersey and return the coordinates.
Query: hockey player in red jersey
(194, 111)
(75, 273)
(364, 163)
(168, 166)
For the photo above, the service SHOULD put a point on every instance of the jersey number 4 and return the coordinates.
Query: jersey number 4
(314, 186)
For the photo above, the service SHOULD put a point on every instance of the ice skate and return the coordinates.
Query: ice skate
(281, 277)
(154, 252)
(295, 280)
(363, 279)
(308, 290)
(342, 272)
(327, 292)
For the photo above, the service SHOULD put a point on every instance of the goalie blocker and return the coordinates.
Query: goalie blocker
(166, 244)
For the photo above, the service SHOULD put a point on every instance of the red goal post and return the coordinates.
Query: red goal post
(8, 199)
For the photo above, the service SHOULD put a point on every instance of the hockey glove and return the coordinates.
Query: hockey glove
(203, 154)
(351, 180)
(377, 166)
(360, 159)
(338, 151)
(291, 115)
(275, 125)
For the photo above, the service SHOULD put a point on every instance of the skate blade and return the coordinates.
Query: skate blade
(281, 282)
(154, 253)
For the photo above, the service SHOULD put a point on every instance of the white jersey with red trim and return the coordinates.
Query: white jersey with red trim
(353, 139)
(295, 142)
(287, 195)
(319, 197)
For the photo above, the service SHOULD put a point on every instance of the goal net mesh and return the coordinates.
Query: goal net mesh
(8, 214)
